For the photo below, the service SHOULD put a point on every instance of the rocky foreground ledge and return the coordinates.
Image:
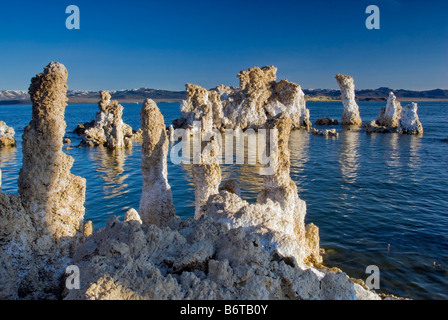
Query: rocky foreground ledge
(230, 250)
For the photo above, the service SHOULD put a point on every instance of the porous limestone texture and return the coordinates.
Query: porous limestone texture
(231, 250)
(206, 175)
(196, 260)
(45, 177)
(350, 115)
(108, 127)
(40, 226)
(326, 121)
(391, 114)
(156, 204)
(7, 136)
(259, 98)
(409, 122)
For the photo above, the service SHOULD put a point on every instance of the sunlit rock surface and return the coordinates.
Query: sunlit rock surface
(231, 250)
(7, 138)
(156, 203)
(259, 98)
(350, 115)
(409, 122)
(40, 226)
(391, 114)
(108, 127)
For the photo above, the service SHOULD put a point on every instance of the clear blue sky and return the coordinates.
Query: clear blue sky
(164, 44)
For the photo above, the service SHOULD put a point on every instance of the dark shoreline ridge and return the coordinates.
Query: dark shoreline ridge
(11, 97)
(231, 250)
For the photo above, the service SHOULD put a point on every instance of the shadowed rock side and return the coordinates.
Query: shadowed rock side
(326, 121)
(258, 99)
(156, 204)
(108, 127)
(7, 136)
(40, 227)
(350, 115)
(232, 250)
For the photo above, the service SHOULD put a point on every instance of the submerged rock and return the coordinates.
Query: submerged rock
(156, 204)
(6, 136)
(326, 121)
(350, 116)
(409, 122)
(108, 127)
(325, 133)
(258, 99)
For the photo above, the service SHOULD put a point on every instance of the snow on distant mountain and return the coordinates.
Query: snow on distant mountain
(140, 94)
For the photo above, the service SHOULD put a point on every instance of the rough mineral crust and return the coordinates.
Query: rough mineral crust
(7, 136)
(393, 118)
(326, 121)
(391, 114)
(156, 204)
(350, 115)
(233, 250)
(258, 98)
(325, 133)
(409, 122)
(206, 175)
(40, 227)
(108, 127)
(197, 259)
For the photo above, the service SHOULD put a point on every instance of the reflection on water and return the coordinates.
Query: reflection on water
(7, 156)
(10, 165)
(414, 158)
(349, 155)
(299, 141)
(110, 167)
(362, 191)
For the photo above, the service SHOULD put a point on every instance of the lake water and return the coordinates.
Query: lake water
(378, 199)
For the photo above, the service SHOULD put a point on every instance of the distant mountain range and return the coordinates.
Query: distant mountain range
(138, 95)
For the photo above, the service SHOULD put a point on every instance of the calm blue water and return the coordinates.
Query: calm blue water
(365, 192)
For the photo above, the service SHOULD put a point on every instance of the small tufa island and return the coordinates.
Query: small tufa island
(6, 136)
(108, 128)
(231, 249)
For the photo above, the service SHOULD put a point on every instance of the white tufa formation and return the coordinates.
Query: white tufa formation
(258, 98)
(108, 127)
(206, 175)
(350, 115)
(40, 227)
(156, 204)
(6, 136)
(391, 114)
(46, 185)
(236, 250)
(409, 122)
